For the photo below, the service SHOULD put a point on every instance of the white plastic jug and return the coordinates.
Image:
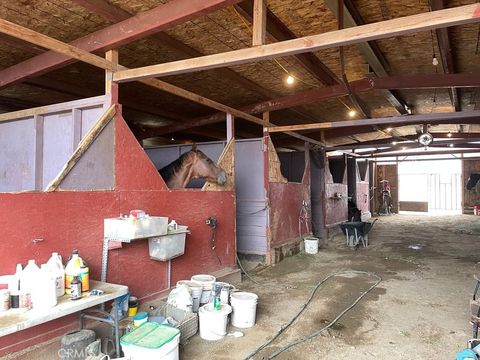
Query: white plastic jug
(45, 294)
(58, 271)
(29, 281)
(76, 267)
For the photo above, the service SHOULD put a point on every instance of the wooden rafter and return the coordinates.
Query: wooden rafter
(447, 151)
(370, 52)
(115, 14)
(444, 46)
(452, 118)
(144, 24)
(259, 22)
(278, 31)
(466, 14)
(33, 37)
(315, 95)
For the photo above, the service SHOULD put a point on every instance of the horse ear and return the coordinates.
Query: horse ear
(194, 147)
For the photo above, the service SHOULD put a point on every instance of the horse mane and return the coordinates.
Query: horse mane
(168, 171)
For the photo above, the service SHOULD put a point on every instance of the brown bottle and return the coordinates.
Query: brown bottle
(75, 288)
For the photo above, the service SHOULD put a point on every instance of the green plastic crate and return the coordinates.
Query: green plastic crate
(150, 336)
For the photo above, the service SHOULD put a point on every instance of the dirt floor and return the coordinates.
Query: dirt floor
(420, 310)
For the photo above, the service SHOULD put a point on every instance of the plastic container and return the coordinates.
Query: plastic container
(213, 323)
(76, 267)
(244, 305)
(311, 245)
(168, 246)
(151, 341)
(140, 318)
(4, 300)
(226, 289)
(206, 281)
(196, 289)
(45, 295)
(56, 267)
(124, 228)
(28, 284)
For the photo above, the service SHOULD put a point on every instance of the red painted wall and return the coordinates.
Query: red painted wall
(69, 220)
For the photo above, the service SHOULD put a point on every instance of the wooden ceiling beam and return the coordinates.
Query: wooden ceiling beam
(330, 92)
(115, 14)
(369, 50)
(149, 22)
(460, 15)
(259, 22)
(445, 49)
(388, 143)
(278, 31)
(432, 118)
(448, 151)
(33, 37)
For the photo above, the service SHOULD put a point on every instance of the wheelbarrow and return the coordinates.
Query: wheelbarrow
(356, 232)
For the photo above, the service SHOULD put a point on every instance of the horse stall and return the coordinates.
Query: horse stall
(329, 192)
(358, 174)
(273, 195)
(78, 163)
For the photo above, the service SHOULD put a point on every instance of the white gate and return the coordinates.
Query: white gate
(445, 192)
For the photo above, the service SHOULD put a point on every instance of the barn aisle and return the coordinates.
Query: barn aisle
(420, 309)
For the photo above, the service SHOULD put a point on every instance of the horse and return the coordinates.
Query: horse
(192, 165)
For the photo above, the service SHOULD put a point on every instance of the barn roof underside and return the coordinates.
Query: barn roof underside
(149, 111)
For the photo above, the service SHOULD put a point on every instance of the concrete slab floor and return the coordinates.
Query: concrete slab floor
(420, 310)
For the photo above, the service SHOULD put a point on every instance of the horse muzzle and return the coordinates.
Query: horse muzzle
(222, 178)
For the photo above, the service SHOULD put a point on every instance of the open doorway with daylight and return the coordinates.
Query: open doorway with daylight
(433, 187)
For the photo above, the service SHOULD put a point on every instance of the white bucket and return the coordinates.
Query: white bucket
(311, 245)
(213, 323)
(196, 289)
(206, 281)
(244, 305)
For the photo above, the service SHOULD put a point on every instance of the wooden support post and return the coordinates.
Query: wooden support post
(266, 185)
(259, 22)
(110, 86)
(230, 127)
(38, 119)
(266, 119)
(82, 147)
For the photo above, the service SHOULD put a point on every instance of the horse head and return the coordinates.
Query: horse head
(203, 167)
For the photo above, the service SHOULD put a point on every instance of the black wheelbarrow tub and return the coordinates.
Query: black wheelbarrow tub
(362, 227)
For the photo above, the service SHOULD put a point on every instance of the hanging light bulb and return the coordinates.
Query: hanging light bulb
(451, 145)
(290, 79)
(389, 129)
(352, 113)
(449, 135)
(394, 143)
(434, 61)
(172, 139)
